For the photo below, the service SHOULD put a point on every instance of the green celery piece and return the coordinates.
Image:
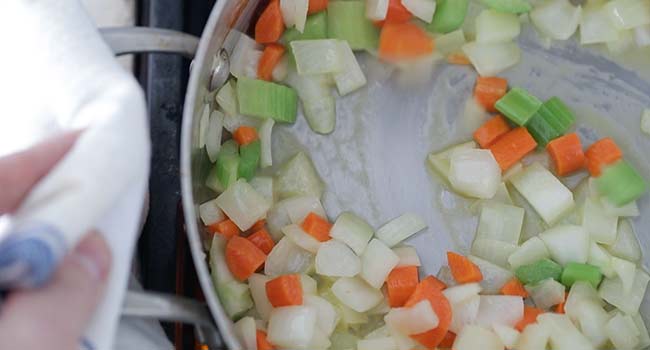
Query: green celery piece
(449, 16)
(510, 6)
(541, 130)
(621, 183)
(229, 147)
(229, 151)
(574, 272)
(551, 121)
(249, 159)
(315, 28)
(227, 169)
(518, 105)
(346, 20)
(263, 99)
(538, 271)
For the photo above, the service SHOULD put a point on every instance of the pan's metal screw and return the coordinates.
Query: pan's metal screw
(220, 70)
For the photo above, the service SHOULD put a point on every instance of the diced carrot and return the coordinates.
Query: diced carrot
(397, 13)
(512, 147)
(435, 282)
(226, 228)
(260, 224)
(567, 155)
(559, 308)
(245, 135)
(530, 316)
(458, 58)
(448, 340)
(270, 25)
(262, 239)
(262, 341)
(462, 269)
(426, 290)
(270, 58)
(401, 41)
(602, 152)
(317, 6)
(317, 227)
(243, 257)
(488, 90)
(491, 130)
(400, 284)
(514, 288)
(284, 290)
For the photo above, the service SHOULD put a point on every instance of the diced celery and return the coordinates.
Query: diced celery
(243, 205)
(500, 222)
(509, 6)
(552, 120)
(538, 271)
(495, 27)
(449, 16)
(351, 77)
(581, 272)
(626, 245)
(493, 251)
(316, 56)
(611, 289)
(529, 252)
(550, 198)
(315, 28)
(226, 168)
(264, 99)
(518, 105)
(298, 177)
(440, 162)
(627, 14)
(249, 159)
(318, 103)
(347, 20)
(492, 59)
(621, 183)
(400, 229)
(601, 226)
(541, 130)
(353, 231)
(556, 19)
(546, 293)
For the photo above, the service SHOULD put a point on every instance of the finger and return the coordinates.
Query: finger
(55, 316)
(19, 172)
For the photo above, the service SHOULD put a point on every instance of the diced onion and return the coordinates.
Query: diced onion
(556, 19)
(476, 337)
(356, 294)
(351, 77)
(377, 262)
(529, 252)
(601, 226)
(611, 289)
(580, 291)
(291, 326)
(204, 122)
(500, 309)
(299, 207)
(475, 173)
(210, 213)
(317, 56)
(500, 222)
(508, 335)
(440, 161)
(294, 13)
(546, 293)
(628, 210)
(492, 59)
(592, 319)
(281, 69)
(376, 10)
(245, 57)
(299, 177)
(336, 259)
(628, 14)
(243, 205)
(232, 122)
(626, 271)
(567, 243)
(400, 229)
(264, 186)
(308, 284)
(416, 319)
(219, 270)
(422, 9)
(533, 337)
(353, 231)
(213, 135)
(287, 258)
(595, 25)
(451, 42)
(464, 313)
(493, 251)
(318, 104)
(626, 245)
(601, 258)
(257, 285)
(496, 27)
(563, 333)
(326, 316)
(385, 343)
(246, 331)
(622, 331)
(494, 276)
(644, 337)
(460, 293)
(301, 238)
(625, 42)
(408, 256)
(265, 131)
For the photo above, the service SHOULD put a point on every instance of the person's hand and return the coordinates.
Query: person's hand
(54, 316)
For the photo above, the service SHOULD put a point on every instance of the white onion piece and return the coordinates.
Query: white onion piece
(265, 131)
(534, 337)
(326, 316)
(592, 319)
(380, 309)
(318, 103)
(500, 309)
(377, 262)
(281, 69)
(264, 186)
(232, 122)
(595, 25)
(336, 259)
(381, 332)
(288, 11)
(451, 42)
(508, 335)
(416, 319)
(492, 59)
(422, 9)
(400, 228)
(213, 135)
(556, 19)
(644, 337)
(386, 343)
(563, 333)
(210, 212)
(628, 210)
(246, 331)
(257, 285)
(611, 289)
(287, 258)
(628, 14)
(319, 341)
(600, 258)
(408, 256)
(500, 222)
(464, 313)
(298, 207)
(301, 7)
(567, 243)
(291, 326)
(319, 56)
(475, 337)
(219, 270)
(243, 205)
(462, 292)
(529, 252)
(496, 27)
(376, 10)
(624, 43)
(301, 238)
(642, 36)
(353, 231)
(204, 122)
(351, 77)
(626, 245)
(546, 293)
(580, 291)
(308, 284)
(493, 251)
(494, 276)
(475, 173)
(445, 276)
(245, 57)
(601, 226)
(227, 98)
(626, 271)
(440, 161)
(356, 294)
(622, 331)
(404, 342)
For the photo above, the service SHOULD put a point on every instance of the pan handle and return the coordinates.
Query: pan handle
(126, 40)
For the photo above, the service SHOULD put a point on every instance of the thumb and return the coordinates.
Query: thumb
(55, 316)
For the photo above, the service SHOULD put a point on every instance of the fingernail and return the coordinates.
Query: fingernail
(93, 254)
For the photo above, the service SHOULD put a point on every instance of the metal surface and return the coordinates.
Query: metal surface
(127, 40)
(165, 307)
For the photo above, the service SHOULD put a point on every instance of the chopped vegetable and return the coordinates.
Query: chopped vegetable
(301, 238)
(474, 337)
(563, 333)
(491, 59)
(487, 91)
(427, 290)
(602, 153)
(595, 25)
(294, 13)
(567, 243)
(243, 61)
(494, 276)
(463, 269)
(416, 319)
(496, 27)
(529, 252)
(546, 293)
(246, 332)
(249, 159)
(298, 177)
(626, 245)
(353, 231)
(292, 326)
(626, 271)
(538, 271)
(377, 10)
(337, 260)
(262, 341)
(284, 290)
(346, 20)
(377, 262)
(508, 335)
(351, 77)
(269, 26)
(449, 16)
(266, 158)
(408, 256)
(530, 317)
(613, 292)
(227, 97)
(315, 28)
(257, 285)
(581, 272)
(270, 58)
(226, 170)
(601, 258)
(317, 227)
(243, 257)
(356, 294)
(493, 250)
(514, 288)
(400, 228)
(464, 313)
(551, 121)
(645, 117)
(602, 227)
(440, 162)
(400, 284)
(318, 103)
(210, 213)
(402, 41)
(326, 316)
(474, 173)
(451, 42)
(622, 331)
(317, 6)
(213, 135)
(518, 105)
(512, 147)
(504, 310)
(422, 9)
(286, 258)
(567, 155)
(627, 14)
(317, 56)
(264, 99)
(621, 184)
(226, 228)
(556, 19)
(397, 12)
(509, 6)
(500, 222)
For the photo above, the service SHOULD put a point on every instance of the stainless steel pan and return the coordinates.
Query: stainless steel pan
(374, 162)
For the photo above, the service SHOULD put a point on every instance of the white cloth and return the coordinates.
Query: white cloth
(57, 74)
